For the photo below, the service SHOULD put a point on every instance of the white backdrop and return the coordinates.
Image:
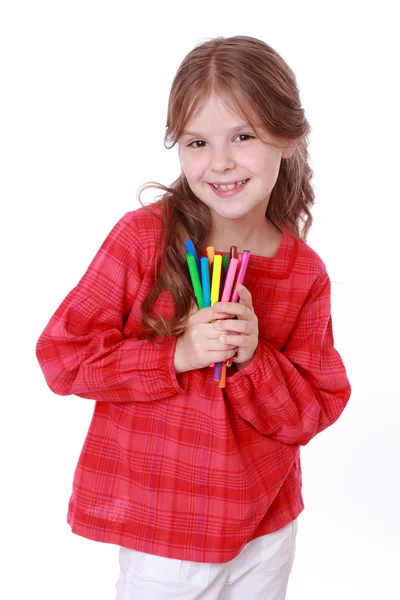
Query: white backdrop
(83, 109)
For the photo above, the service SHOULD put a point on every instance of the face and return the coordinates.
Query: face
(227, 165)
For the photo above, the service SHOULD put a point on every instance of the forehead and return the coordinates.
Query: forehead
(216, 109)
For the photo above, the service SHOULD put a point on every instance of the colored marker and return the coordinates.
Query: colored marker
(194, 276)
(240, 279)
(222, 381)
(242, 274)
(233, 252)
(210, 255)
(230, 278)
(216, 278)
(205, 281)
(217, 371)
(225, 267)
(192, 250)
(226, 294)
(216, 281)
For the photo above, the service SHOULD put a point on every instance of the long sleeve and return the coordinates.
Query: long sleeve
(293, 394)
(84, 349)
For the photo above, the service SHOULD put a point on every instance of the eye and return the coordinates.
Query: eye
(244, 137)
(197, 144)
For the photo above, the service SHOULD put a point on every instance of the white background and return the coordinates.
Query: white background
(84, 89)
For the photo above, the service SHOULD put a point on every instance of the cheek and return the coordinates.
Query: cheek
(193, 169)
(267, 166)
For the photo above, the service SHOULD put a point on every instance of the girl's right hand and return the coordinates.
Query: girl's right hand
(199, 346)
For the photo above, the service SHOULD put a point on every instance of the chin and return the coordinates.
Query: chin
(233, 215)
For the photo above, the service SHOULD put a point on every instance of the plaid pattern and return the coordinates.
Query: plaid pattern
(172, 464)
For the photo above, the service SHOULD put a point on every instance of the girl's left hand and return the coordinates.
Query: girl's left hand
(242, 331)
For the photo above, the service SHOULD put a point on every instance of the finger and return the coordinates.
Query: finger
(241, 341)
(221, 356)
(218, 346)
(244, 295)
(207, 315)
(221, 315)
(234, 309)
(219, 312)
(234, 326)
(213, 331)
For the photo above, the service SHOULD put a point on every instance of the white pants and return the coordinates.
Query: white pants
(260, 571)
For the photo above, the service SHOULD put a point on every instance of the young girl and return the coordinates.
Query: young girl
(199, 485)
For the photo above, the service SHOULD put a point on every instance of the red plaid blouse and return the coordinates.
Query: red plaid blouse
(172, 464)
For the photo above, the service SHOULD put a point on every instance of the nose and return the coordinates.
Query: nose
(221, 160)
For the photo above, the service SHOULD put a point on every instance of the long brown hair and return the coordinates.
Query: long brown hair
(231, 67)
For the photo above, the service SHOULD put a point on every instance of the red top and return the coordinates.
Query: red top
(172, 464)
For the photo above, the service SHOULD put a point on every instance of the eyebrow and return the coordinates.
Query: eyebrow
(232, 130)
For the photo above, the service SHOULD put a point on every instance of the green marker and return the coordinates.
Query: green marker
(194, 276)
(225, 262)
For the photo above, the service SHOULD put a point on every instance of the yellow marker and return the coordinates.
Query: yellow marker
(210, 255)
(216, 278)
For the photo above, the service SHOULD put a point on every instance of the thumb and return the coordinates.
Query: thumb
(244, 295)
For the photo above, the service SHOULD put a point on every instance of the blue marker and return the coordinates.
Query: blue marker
(205, 281)
(191, 250)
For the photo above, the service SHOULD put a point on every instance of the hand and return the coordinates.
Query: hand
(241, 332)
(199, 345)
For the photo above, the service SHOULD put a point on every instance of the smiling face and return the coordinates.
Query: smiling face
(227, 164)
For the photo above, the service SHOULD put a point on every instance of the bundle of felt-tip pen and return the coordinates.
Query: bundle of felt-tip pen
(214, 278)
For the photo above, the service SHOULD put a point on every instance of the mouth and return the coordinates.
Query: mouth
(227, 187)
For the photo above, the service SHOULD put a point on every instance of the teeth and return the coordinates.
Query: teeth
(230, 186)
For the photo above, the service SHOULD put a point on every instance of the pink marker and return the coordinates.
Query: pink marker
(226, 294)
(240, 279)
(230, 278)
(242, 274)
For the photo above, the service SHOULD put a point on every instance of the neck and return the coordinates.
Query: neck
(262, 238)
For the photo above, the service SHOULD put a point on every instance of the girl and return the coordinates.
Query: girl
(201, 486)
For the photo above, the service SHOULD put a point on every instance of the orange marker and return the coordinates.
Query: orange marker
(210, 256)
(222, 381)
